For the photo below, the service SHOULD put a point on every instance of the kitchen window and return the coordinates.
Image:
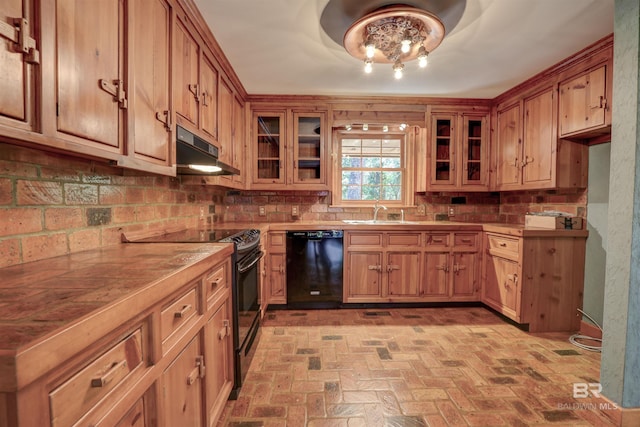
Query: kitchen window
(370, 166)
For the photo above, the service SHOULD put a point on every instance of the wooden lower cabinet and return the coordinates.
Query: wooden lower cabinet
(277, 267)
(536, 279)
(218, 345)
(169, 363)
(409, 266)
(182, 387)
(363, 277)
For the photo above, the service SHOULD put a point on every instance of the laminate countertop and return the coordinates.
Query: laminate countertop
(49, 303)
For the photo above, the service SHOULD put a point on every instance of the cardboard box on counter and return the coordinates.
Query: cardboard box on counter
(553, 222)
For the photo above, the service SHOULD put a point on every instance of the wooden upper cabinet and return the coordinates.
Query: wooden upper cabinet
(459, 152)
(18, 70)
(90, 88)
(187, 73)
(508, 146)
(225, 120)
(268, 147)
(151, 131)
(540, 136)
(208, 98)
(288, 149)
(584, 103)
(238, 141)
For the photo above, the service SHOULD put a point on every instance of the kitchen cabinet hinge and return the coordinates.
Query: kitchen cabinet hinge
(116, 89)
(17, 31)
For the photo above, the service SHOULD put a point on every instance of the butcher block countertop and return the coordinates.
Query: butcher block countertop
(51, 309)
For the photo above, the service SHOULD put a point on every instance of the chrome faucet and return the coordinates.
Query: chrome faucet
(376, 208)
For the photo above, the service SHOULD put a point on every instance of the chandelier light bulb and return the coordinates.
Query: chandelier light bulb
(422, 57)
(385, 128)
(405, 44)
(368, 66)
(348, 127)
(370, 48)
(365, 127)
(403, 126)
(397, 70)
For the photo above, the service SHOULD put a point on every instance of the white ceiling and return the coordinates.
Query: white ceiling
(279, 47)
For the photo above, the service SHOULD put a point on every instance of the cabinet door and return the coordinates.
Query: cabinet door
(278, 278)
(436, 277)
(17, 82)
(538, 163)
(209, 98)
(269, 149)
(501, 285)
(225, 122)
(403, 277)
(583, 102)
(308, 148)
(238, 140)
(89, 71)
(465, 274)
(364, 275)
(186, 69)
(182, 390)
(136, 417)
(508, 148)
(151, 138)
(443, 138)
(218, 359)
(475, 151)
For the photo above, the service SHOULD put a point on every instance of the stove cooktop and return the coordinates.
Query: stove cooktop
(243, 238)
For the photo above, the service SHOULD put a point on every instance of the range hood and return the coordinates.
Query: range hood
(195, 156)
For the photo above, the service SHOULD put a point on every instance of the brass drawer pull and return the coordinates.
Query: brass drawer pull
(185, 309)
(102, 380)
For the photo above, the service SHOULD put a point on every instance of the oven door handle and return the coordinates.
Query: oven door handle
(243, 268)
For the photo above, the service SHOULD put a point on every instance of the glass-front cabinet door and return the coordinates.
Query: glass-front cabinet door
(443, 171)
(269, 150)
(474, 150)
(308, 148)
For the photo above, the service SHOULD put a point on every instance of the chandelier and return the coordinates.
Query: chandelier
(394, 35)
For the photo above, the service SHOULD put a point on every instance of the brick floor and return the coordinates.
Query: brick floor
(412, 367)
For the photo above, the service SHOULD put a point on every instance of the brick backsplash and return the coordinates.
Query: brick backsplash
(515, 204)
(245, 206)
(52, 204)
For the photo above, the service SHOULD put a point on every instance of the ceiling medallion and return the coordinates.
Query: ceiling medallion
(394, 35)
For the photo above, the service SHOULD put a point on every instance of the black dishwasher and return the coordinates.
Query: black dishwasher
(314, 269)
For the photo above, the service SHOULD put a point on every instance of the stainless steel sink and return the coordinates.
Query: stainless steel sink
(376, 222)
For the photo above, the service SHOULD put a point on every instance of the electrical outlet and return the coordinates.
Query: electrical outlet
(201, 212)
(262, 211)
(422, 211)
(294, 210)
(451, 211)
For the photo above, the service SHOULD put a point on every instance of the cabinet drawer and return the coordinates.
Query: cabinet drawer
(72, 399)
(437, 240)
(404, 239)
(465, 241)
(177, 313)
(504, 245)
(277, 241)
(364, 239)
(217, 281)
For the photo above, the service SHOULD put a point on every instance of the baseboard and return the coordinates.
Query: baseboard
(590, 330)
(622, 417)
